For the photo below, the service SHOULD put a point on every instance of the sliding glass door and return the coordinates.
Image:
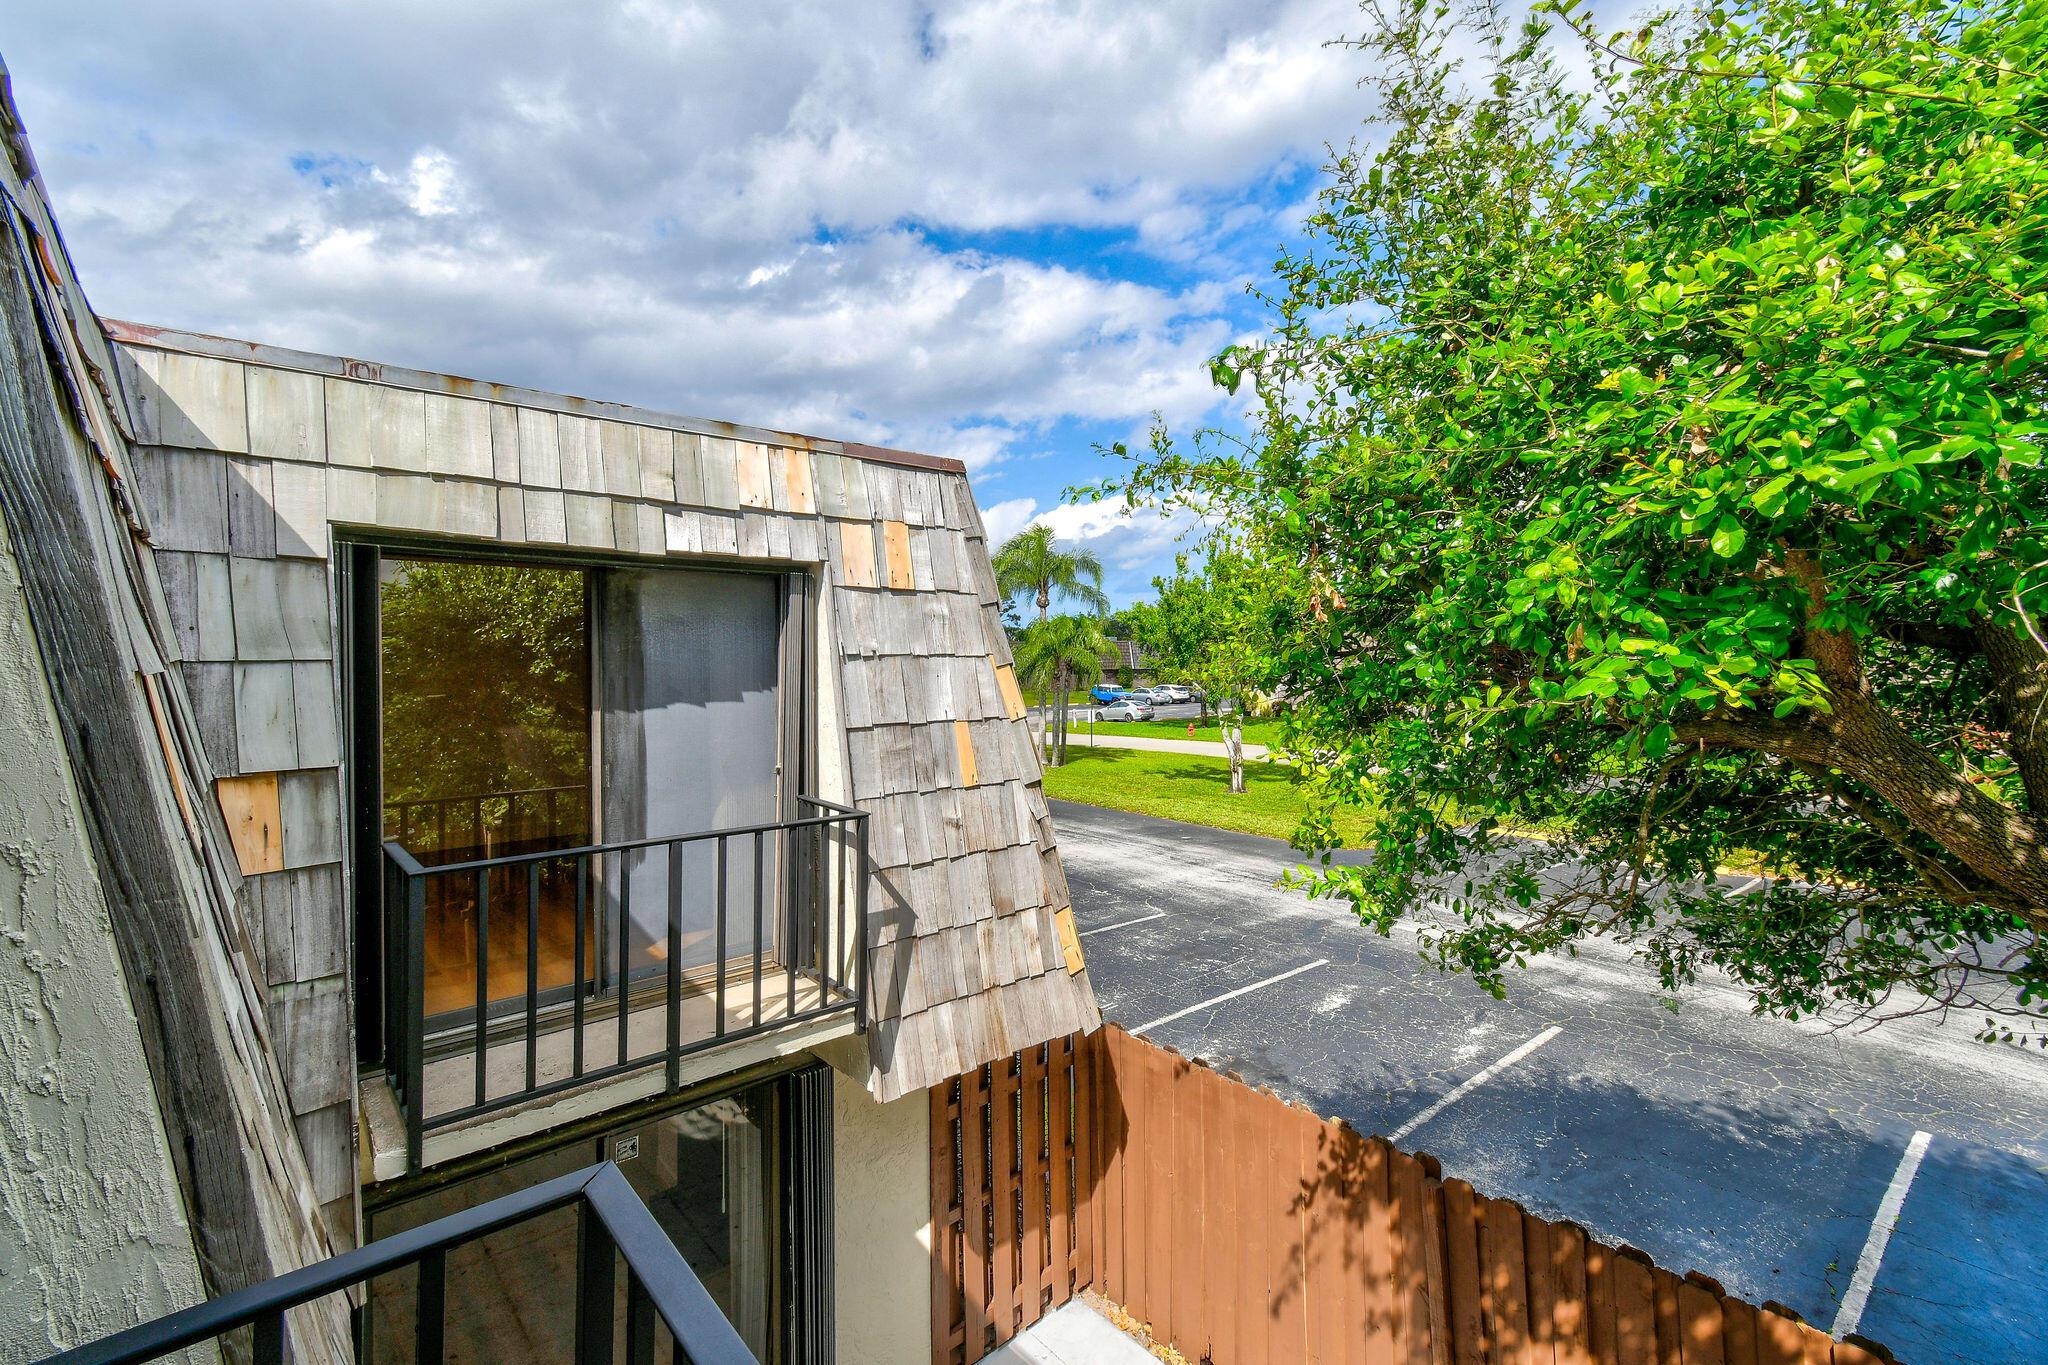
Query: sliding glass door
(523, 707)
(486, 738)
(690, 718)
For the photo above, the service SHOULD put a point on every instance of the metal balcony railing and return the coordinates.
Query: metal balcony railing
(775, 914)
(662, 1292)
(479, 822)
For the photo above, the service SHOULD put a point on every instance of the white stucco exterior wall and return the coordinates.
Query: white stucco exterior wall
(881, 1224)
(93, 1232)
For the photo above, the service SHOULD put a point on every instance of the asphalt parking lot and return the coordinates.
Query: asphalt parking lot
(1894, 1180)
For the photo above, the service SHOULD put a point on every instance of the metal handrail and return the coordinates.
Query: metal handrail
(612, 1218)
(817, 907)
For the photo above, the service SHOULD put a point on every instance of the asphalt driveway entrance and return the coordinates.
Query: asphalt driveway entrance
(1785, 1160)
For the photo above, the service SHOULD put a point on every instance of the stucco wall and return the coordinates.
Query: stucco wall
(93, 1237)
(882, 1225)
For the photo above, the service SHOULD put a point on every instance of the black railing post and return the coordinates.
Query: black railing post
(532, 975)
(718, 912)
(675, 976)
(639, 1322)
(576, 869)
(268, 1346)
(860, 925)
(416, 1006)
(759, 891)
(790, 950)
(430, 1309)
(625, 941)
(483, 978)
(594, 1287)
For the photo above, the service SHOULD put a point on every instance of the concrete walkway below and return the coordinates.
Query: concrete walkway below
(1073, 1334)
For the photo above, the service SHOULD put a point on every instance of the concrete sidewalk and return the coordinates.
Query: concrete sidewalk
(1107, 735)
(1073, 1334)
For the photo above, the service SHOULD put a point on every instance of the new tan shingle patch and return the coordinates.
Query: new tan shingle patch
(896, 541)
(963, 748)
(1013, 697)
(249, 804)
(755, 484)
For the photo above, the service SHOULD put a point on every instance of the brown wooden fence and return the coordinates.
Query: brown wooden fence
(1012, 1161)
(1248, 1231)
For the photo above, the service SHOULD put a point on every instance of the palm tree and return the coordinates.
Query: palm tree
(1056, 656)
(1032, 562)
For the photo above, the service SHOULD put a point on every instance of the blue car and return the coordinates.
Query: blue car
(1104, 693)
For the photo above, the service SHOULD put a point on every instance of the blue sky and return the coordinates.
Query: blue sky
(1001, 230)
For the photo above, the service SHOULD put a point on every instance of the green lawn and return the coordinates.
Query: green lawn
(1265, 732)
(1186, 787)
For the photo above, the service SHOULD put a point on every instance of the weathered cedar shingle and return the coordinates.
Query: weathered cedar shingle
(965, 960)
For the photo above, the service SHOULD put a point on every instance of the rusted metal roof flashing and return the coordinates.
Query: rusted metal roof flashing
(428, 381)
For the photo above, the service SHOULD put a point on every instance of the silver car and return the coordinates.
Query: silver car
(1123, 708)
(1172, 693)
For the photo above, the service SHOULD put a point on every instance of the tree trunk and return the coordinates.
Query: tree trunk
(2019, 673)
(1998, 844)
(1044, 601)
(1233, 745)
(1066, 686)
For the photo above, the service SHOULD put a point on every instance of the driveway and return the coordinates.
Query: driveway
(1895, 1180)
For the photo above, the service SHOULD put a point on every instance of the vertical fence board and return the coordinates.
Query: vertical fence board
(1291, 1165)
(1699, 1326)
(945, 1227)
(1542, 1306)
(1258, 1229)
(1779, 1341)
(1222, 1227)
(1600, 1290)
(1667, 1316)
(1113, 1137)
(1507, 1283)
(1379, 1301)
(1086, 1123)
(1192, 1288)
(1061, 1151)
(1635, 1311)
(1738, 1332)
(1002, 1162)
(1461, 1237)
(1411, 1219)
(1159, 1284)
(1322, 1243)
(1571, 1304)
(1033, 1138)
(1436, 1243)
(974, 1249)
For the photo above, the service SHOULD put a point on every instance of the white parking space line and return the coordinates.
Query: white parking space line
(1867, 1264)
(1105, 928)
(1474, 1083)
(1231, 995)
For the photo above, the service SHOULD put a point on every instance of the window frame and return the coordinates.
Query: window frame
(358, 556)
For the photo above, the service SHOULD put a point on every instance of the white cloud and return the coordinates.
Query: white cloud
(694, 205)
(1005, 519)
(1133, 548)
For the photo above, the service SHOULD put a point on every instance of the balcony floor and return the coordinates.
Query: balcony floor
(450, 1081)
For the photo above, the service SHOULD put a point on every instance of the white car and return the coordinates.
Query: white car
(1174, 693)
(1125, 709)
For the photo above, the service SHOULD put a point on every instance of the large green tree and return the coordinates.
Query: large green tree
(1651, 436)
